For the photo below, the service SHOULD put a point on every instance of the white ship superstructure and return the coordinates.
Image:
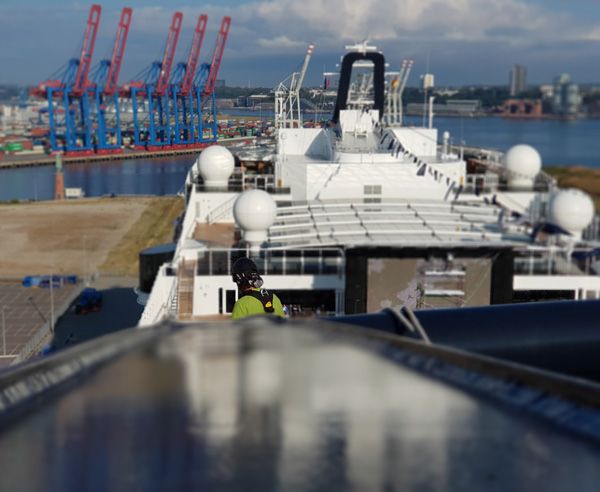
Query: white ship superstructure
(366, 213)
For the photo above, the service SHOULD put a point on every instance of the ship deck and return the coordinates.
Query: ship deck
(215, 235)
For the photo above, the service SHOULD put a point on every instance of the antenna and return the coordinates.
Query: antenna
(428, 82)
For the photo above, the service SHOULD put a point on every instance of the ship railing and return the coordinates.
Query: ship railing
(238, 188)
(169, 307)
(161, 300)
(481, 183)
(492, 159)
(222, 211)
(240, 181)
(323, 261)
(484, 154)
(488, 183)
(273, 190)
(592, 232)
(260, 181)
(581, 262)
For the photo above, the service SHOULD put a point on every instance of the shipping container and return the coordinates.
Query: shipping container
(14, 146)
(39, 132)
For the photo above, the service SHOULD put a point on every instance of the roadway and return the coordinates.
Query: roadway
(120, 310)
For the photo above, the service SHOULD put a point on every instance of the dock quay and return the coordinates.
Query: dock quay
(48, 160)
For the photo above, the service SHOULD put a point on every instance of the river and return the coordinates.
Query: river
(157, 176)
(560, 143)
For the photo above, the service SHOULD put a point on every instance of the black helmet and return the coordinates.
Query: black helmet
(245, 272)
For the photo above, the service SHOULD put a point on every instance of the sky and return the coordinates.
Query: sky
(463, 42)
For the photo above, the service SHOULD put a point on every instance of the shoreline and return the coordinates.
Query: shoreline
(49, 160)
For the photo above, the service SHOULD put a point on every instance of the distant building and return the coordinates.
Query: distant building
(243, 102)
(452, 107)
(257, 99)
(566, 100)
(446, 92)
(522, 108)
(547, 91)
(226, 103)
(518, 80)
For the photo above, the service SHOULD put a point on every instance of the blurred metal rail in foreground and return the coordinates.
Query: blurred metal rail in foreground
(267, 405)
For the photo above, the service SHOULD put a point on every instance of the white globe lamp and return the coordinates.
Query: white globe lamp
(522, 163)
(254, 212)
(572, 210)
(215, 164)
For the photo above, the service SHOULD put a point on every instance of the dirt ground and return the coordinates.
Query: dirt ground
(79, 236)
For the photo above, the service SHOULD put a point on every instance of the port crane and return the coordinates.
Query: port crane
(170, 108)
(105, 79)
(204, 89)
(149, 98)
(180, 89)
(287, 98)
(396, 86)
(70, 127)
(192, 103)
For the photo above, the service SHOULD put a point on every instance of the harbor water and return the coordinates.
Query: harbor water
(156, 176)
(560, 143)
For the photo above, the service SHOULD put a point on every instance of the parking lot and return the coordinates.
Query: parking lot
(23, 311)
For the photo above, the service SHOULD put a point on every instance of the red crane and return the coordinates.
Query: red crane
(211, 79)
(76, 70)
(112, 78)
(165, 70)
(87, 50)
(192, 62)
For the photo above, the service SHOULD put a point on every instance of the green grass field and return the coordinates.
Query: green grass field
(155, 226)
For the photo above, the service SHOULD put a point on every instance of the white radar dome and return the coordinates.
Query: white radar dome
(571, 209)
(523, 164)
(215, 164)
(255, 211)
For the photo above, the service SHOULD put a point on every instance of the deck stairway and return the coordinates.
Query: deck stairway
(185, 293)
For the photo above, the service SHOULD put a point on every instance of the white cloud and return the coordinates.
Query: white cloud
(266, 28)
(592, 34)
(331, 23)
(280, 43)
(279, 26)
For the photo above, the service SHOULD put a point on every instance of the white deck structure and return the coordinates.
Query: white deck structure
(364, 182)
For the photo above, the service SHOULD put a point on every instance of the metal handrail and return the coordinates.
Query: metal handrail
(221, 211)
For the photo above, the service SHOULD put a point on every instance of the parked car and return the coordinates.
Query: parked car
(90, 300)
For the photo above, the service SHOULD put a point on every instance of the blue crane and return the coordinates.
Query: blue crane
(204, 89)
(149, 96)
(67, 94)
(105, 94)
(181, 90)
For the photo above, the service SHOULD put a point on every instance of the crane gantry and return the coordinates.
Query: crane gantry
(169, 105)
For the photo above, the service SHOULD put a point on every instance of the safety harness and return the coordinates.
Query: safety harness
(264, 296)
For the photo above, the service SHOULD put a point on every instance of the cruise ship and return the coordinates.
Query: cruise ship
(367, 213)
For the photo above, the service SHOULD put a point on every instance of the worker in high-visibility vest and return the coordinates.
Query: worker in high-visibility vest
(252, 299)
